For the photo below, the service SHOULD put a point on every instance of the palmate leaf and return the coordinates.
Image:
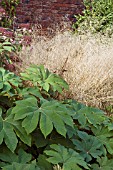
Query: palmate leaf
(72, 131)
(50, 114)
(56, 82)
(29, 91)
(9, 157)
(8, 135)
(18, 129)
(8, 80)
(40, 76)
(57, 115)
(89, 146)
(8, 131)
(20, 166)
(69, 158)
(104, 164)
(86, 116)
(105, 136)
(27, 109)
(16, 161)
(22, 160)
(90, 115)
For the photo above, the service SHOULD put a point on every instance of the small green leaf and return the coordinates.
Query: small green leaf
(8, 48)
(43, 163)
(23, 157)
(46, 125)
(46, 86)
(33, 91)
(6, 43)
(19, 130)
(9, 136)
(31, 120)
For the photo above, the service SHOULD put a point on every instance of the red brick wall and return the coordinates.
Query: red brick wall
(47, 12)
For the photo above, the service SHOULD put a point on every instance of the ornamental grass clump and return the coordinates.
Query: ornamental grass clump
(84, 61)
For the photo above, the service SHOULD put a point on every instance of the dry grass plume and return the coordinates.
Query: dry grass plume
(85, 62)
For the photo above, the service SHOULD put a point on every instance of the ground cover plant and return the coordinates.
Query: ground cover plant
(43, 124)
(40, 132)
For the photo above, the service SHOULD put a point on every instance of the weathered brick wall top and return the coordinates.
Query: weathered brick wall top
(47, 12)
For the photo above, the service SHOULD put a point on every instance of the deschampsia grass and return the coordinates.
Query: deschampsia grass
(85, 62)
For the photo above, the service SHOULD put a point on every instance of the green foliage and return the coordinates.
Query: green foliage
(50, 114)
(8, 82)
(89, 146)
(97, 17)
(38, 132)
(10, 8)
(44, 79)
(6, 47)
(10, 42)
(68, 157)
(10, 129)
(104, 164)
(21, 157)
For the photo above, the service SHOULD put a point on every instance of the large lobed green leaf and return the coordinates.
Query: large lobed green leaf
(9, 130)
(8, 81)
(9, 157)
(88, 146)
(90, 115)
(50, 114)
(21, 159)
(7, 134)
(103, 164)
(69, 158)
(40, 76)
(105, 136)
(20, 166)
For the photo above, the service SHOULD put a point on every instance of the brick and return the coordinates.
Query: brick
(47, 12)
